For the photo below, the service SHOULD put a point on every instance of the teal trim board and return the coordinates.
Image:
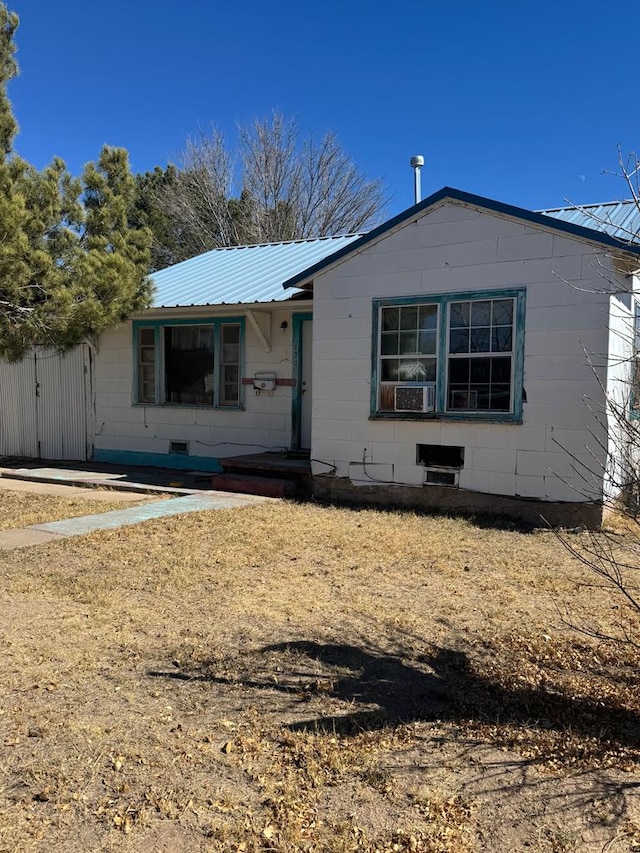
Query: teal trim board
(296, 367)
(177, 461)
(375, 343)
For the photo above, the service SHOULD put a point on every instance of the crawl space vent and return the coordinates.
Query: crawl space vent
(181, 447)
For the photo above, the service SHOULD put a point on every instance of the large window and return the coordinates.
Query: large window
(192, 364)
(188, 365)
(450, 355)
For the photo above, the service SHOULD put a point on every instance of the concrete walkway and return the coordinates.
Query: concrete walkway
(56, 489)
(179, 501)
(124, 479)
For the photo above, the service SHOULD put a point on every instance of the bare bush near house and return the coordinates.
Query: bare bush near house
(612, 556)
(275, 185)
(629, 172)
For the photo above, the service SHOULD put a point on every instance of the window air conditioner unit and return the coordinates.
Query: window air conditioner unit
(414, 398)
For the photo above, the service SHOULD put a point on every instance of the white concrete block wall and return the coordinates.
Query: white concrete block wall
(455, 249)
(265, 422)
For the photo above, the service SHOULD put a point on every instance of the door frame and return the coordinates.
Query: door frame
(296, 398)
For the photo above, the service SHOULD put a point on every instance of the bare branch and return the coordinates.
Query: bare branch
(612, 556)
(275, 185)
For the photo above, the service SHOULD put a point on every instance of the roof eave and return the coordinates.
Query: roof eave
(222, 308)
(306, 276)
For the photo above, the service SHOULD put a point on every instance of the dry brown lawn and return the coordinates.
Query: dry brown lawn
(20, 509)
(302, 678)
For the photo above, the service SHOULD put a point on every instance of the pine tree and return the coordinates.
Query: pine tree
(70, 264)
(148, 213)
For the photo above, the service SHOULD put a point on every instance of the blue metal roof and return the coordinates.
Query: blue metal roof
(241, 274)
(250, 274)
(619, 219)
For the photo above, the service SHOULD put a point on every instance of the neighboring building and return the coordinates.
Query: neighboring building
(460, 355)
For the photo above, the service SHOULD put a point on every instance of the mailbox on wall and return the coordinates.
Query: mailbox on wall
(264, 383)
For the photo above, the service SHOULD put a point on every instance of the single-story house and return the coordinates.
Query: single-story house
(460, 355)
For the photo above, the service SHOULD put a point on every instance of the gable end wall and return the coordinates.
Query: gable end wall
(455, 249)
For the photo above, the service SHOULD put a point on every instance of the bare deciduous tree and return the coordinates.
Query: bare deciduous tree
(198, 201)
(275, 185)
(612, 555)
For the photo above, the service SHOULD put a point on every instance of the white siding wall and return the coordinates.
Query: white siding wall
(622, 430)
(454, 249)
(264, 424)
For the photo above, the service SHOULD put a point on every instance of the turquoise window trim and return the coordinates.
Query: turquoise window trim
(443, 300)
(157, 326)
(137, 326)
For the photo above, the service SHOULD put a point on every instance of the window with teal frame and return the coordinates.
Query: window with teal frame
(457, 356)
(189, 362)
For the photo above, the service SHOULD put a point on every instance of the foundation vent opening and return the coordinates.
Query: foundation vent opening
(181, 447)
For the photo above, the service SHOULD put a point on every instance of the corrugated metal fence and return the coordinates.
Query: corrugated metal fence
(46, 405)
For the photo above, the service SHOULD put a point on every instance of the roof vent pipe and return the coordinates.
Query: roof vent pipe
(417, 163)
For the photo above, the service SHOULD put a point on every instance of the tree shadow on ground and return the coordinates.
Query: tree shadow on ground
(384, 689)
(444, 686)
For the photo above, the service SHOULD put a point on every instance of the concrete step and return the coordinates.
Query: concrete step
(251, 484)
(268, 464)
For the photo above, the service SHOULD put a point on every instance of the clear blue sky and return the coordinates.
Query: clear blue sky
(521, 102)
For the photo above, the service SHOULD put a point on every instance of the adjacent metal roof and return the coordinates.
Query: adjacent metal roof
(241, 274)
(547, 221)
(619, 219)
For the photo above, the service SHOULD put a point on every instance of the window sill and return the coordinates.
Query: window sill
(459, 417)
(200, 408)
